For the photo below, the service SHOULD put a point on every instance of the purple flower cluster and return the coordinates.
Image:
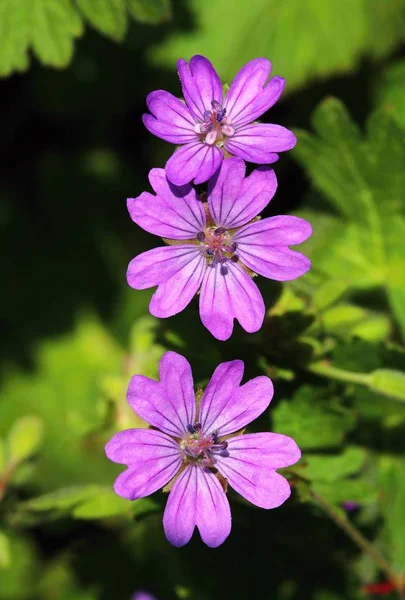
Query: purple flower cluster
(215, 245)
(199, 447)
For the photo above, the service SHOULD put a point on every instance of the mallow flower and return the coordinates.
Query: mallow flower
(215, 247)
(196, 447)
(210, 124)
(143, 596)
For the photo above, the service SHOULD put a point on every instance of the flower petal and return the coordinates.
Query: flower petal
(176, 293)
(263, 247)
(196, 161)
(264, 488)
(160, 264)
(258, 142)
(228, 293)
(168, 404)
(233, 200)
(153, 459)
(233, 409)
(197, 499)
(200, 84)
(225, 379)
(170, 119)
(175, 213)
(247, 97)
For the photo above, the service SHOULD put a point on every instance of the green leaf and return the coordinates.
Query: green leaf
(331, 468)
(86, 502)
(347, 490)
(391, 90)
(150, 11)
(311, 421)
(64, 390)
(5, 555)
(304, 40)
(388, 382)
(24, 438)
(49, 27)
(391, 476)
(108, 16)
(102, 505)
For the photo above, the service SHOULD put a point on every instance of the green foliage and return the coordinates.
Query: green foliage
(85, 502)
(24, 438)
(391, 474)
(364, 181)
(303, 40)
(49, 27)
(150, 11)
(73, 333)
(331, 468)
(312, 421)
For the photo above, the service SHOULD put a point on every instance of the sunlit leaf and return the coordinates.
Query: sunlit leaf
(304, 40)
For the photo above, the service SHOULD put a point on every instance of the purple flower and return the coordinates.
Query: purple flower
(216, 246)
(197, 446)
(210, 125)
(143, 596)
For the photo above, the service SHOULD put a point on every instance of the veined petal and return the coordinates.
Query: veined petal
(225, 379)
(264, 488)
(168, 404)
(176, 293)
(197, 499)
(153, 459)
(235, 409)
(175, 213)
(196, 161)
(200, 84)
(170, 119)
(259, 142)
(246, 86)
(233, 200)
(254, 102)
(224, 190)
(160, 264)
(263, 247)
(228, 293)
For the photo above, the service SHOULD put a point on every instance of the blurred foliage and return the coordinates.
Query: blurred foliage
(72, 148)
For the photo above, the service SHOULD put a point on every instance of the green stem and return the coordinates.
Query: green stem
(357, 537)
(325, 370)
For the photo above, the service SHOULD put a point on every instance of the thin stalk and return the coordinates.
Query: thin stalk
(325, 370)
(358, 538)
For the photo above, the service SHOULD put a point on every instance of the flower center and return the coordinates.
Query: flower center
(215, 127)
(217, 244)
(199, 447)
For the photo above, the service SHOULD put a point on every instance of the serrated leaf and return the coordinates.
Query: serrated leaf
(108, 16)
(332, 468)
(304, 40)
(150, 11)
(24, 438)
(311, 421)
(49, 27)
